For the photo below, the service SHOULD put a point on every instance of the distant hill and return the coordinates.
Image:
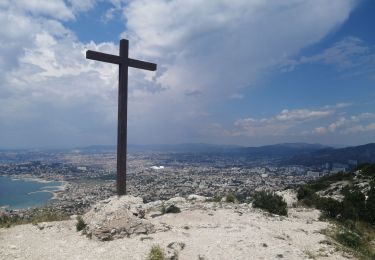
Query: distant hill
(285, 153)
(268, 151)
(282, 150)
(362, 154)
(277, 150)
(184, 148)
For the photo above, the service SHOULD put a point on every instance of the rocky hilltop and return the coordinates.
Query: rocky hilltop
(183, 228)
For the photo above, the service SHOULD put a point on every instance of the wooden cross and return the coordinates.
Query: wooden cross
(124, 63)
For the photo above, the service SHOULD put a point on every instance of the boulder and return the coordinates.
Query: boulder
(176, 200)
(117, 217)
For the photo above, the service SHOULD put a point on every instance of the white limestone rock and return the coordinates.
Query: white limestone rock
(289, 196)
(117, 217)
(194, 197)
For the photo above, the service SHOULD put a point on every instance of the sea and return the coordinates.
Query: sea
(25, 193)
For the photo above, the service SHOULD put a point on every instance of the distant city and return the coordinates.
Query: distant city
(166, 171)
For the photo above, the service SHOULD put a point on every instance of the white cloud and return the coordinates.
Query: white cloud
(320, 130)
(81, 5)
(333, 126)
(223, 39)
(348, 125)
(279, 124)
(359, 128)
(300, 121)
(341, 54)
(350, 54)
(220, 47)
(56, 8)
(338, 105)
(49, 93)
(208, 49)
(301, 114)
(109, 15)
(352, 124)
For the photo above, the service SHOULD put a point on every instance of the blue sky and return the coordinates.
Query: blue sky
(229, 72)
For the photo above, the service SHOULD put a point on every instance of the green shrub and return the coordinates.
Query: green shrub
(242, 197)
(370, 205)
(349, 238)
(353, 207)
(163, 209)
(48, 216)
(354, 196)
(349, 211)
(324, 182)
(215, 198)
(172, 209)
(230, 198)
(357, 237)
(81, 225)
(169, 209)
(271, 202)
(330, 207)
(33, 216)
(6, 221)
(304, 191)
(156, 253)
(319, 184)
(350, 224)
(367, 169)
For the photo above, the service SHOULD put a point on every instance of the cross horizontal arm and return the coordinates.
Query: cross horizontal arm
(99, 56)
(141, 64)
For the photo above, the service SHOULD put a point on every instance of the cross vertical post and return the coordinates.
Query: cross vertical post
(122, 118)
(124, 63)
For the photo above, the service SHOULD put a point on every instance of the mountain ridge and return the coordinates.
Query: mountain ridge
(361, 153)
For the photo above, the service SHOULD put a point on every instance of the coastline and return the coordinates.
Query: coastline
(27, 177)
(54, 189)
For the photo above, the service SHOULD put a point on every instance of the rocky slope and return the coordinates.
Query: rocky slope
(202, 230)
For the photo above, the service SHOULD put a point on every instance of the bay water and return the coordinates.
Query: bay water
(25, 193)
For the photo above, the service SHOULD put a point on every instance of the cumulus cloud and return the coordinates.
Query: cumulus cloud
(48, 92)
(81, 5)
(56, 9)
(351, 124)
(360, 128)
(301, 114)
(206, 51)
(278, 124)
(299, 122)
(320, 130)
(218, 47)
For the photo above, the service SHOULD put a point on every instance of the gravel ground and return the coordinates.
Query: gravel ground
(206, 230)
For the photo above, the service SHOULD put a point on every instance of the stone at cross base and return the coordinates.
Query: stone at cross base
(117, 217)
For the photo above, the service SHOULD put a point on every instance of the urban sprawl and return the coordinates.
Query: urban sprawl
(153, 176)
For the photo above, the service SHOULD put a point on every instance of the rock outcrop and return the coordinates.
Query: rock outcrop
(117, 217)
(201, 230)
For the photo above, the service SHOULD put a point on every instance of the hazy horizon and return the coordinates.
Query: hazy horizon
(174, 144)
